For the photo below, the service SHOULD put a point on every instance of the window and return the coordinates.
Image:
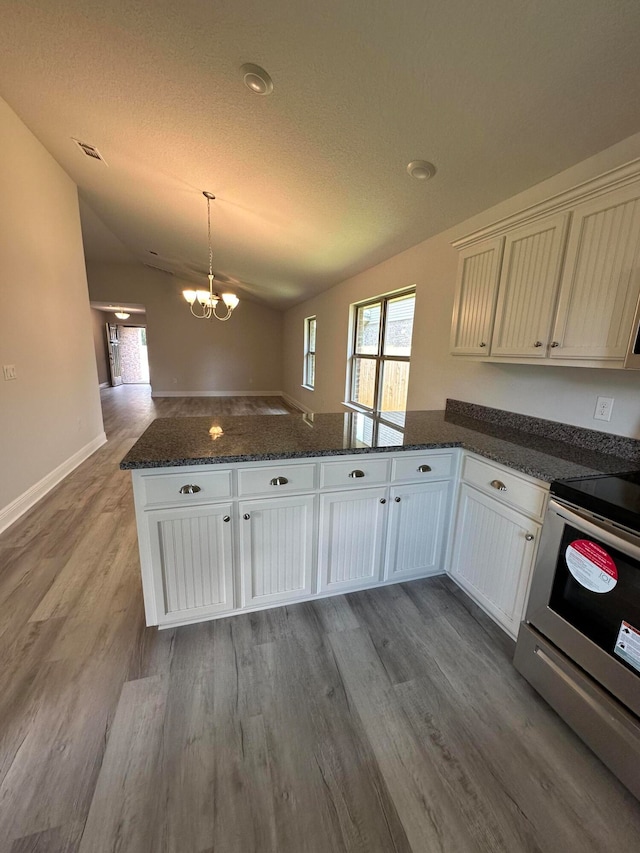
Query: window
(309, 370)
(381, 349)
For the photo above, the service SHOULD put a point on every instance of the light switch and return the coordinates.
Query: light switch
(9, 371)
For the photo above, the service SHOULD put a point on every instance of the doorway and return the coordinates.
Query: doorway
(134, 360)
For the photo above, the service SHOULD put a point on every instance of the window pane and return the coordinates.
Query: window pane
(311, 370)
(363, 382)
(368, 329)
(395, 382)
(399, 325)
(312, 334)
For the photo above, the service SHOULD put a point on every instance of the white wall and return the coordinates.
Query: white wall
(189, 356)
(98, 322)
(563, 394)
(51, 413)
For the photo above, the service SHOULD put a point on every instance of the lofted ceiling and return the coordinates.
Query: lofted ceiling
(311, 180)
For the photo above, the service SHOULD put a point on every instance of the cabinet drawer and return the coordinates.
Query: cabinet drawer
(276, 479)
(359, 472)
(518, 492)
(206, 485)
(420, 468)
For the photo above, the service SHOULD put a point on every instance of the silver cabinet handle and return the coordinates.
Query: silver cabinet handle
(246, 516)
(357, 473)
(227, 518)
(483, 344)
(383, 500)
(499, 485)
(279, 481)
(424, 469)
(397, 500)
(538, 344)
(189, 489)
(529, 537)
(555, 344)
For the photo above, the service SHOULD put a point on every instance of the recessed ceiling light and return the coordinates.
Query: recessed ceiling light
(421, 170)
(256, 79)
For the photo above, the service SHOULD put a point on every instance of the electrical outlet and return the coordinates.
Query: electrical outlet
(9, 371)
(604, 406)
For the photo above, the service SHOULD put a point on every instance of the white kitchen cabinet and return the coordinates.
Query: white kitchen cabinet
(601, 281)
(569, 279)
(495, 538)
(192, 550)
(475, 300)
(528, 287)
(418, 526)
(276, 549)
(351, 541)
(288, 530)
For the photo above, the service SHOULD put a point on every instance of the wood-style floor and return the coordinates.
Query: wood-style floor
(387, 720)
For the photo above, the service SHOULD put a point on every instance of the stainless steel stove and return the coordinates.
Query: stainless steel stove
(579, 645)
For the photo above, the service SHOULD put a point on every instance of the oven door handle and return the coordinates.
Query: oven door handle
(603, 531)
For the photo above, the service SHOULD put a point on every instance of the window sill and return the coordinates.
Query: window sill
(308, 387)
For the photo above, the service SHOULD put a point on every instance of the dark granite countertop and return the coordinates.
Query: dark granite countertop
(542, 449)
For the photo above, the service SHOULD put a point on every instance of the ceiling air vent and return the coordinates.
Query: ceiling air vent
(89, 150)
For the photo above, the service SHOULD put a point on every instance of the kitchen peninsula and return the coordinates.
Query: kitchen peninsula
(239, 513)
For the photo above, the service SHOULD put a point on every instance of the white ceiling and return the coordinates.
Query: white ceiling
(310, 181)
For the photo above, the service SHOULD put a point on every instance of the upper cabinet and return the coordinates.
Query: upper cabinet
(476, 291)
(557, 284)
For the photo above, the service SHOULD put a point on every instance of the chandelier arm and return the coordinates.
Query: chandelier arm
(218, 317)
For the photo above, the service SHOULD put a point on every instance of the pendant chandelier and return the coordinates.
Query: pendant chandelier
(203, 303)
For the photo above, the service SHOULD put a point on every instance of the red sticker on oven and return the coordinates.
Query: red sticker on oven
(591, 566)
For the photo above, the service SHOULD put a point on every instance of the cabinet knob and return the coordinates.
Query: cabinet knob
(357, 473)
(397, 500)
(538, 344)
(227, 518)
(279, 481)
(529, 537)
(424, 469)
(499, 485)
(554, 344)
(383, 500)
(189, 489)
(246, 516)
(483, 343)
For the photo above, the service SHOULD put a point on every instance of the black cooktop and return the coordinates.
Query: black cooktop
(612, 496)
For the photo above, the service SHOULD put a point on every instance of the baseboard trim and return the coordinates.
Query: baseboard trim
(296, 403)
(17, 508)
(105, 385)
(216, 393)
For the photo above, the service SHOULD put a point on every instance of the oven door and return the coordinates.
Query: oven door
(585, 598)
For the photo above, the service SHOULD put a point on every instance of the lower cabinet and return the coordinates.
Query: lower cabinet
(493, 553)
(192, 554)
(352, 526)
(276, 549)
(418, 527)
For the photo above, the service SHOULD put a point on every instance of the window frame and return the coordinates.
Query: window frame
(378, 358)
(309, 353)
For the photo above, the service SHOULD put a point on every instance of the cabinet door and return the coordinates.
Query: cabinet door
(276, 549)
(193, 550)
(352, 525)
(418, 518)
(475, 302)
(601, 280)
(528, 288)
(493, 554)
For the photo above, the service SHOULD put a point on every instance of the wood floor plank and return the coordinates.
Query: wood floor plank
(428, 813)
(124, 809)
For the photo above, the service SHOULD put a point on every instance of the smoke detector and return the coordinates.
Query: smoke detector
(89, 150)
(256, 79)
(421, 170)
